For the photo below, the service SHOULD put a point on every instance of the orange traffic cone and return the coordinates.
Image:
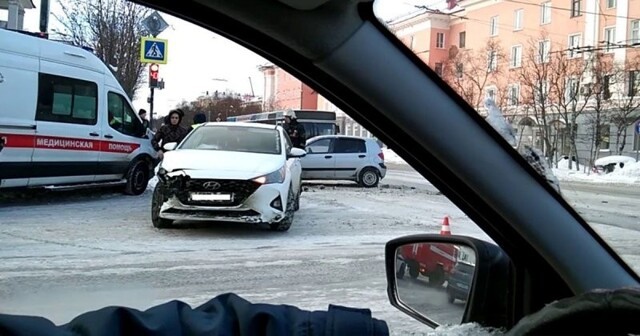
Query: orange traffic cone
(446, 230)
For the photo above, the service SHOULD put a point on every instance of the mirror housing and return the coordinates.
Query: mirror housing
(296, 153)
(490, 286)
(170, 146)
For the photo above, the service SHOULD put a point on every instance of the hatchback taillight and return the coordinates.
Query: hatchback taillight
(381, 155)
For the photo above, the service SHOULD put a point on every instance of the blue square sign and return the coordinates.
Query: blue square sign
(153, 50)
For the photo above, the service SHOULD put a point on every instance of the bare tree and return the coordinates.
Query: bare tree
(626, 99)
(470, 72)
(535, 78)
(600, 104)
(567, 77)
(112, 28)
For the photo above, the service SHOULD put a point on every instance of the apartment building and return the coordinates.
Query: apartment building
(516, 51)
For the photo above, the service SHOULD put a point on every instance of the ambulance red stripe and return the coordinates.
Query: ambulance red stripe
(63, 143)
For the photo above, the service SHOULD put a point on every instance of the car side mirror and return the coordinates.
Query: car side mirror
(445, 279)
(170, 146)
(296, 153)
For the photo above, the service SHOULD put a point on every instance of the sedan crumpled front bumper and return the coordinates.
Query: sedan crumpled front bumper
(243, 201)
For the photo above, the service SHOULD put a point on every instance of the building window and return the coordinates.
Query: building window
(491, 93)
(574, 45)
(492, 61)
(545, 13)
(571, 89)
(514, 94)
(605, 133)
(459, 70)
(541, 91)
(493, 26)
(438, 69)
(606, 87)
(576, 9)
(516, 56)
(440, 40)
(543, 51)
(635, 32)
(412, 42)
(611, 3)
(633, 86)
(517, 23)
(67, 100)
(609, 38)
(462, 37)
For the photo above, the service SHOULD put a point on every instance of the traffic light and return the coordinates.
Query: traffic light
(153, 75)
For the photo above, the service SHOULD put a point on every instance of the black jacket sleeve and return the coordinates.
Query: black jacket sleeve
(227, 314)
(160, 134)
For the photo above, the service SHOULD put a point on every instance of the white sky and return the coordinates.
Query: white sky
(196, 57)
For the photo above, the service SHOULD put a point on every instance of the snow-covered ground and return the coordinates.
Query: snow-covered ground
(103, 251)
(628, 174)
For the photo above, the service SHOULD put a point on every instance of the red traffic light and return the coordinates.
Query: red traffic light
(153, 75)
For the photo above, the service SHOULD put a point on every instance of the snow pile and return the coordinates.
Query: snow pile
(563, 164)
(617, 159)
(630, 169)
(391, 156)
(628, 174)
(465, 329)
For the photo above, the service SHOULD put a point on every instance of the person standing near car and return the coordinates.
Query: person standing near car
(143, 115)
(199, 119)
(294, 129)
(170, 132)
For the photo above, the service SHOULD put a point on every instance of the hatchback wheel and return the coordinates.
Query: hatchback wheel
(369, 178)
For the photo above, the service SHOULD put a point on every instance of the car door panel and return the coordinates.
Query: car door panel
(350, 155)
(319, 163)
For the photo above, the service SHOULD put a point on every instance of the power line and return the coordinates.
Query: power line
(571, 11)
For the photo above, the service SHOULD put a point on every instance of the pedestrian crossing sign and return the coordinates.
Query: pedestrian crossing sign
(153, 50)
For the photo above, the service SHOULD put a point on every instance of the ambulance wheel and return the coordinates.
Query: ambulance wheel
(414, 270)
(158, 198)
(436, 278)
(137, 178)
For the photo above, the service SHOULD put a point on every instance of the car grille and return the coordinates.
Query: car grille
(240, 189)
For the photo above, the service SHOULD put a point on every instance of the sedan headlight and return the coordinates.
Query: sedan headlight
(275, 177)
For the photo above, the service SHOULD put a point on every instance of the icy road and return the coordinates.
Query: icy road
(84, 250)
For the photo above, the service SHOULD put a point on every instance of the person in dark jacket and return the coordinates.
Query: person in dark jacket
(294, 129)
(227, 314)
(198, 119)
(143, 115)
(169, 132)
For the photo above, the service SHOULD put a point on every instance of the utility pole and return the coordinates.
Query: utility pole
(44, 16)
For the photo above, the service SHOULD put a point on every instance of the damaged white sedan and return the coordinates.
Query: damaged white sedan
(229, 172)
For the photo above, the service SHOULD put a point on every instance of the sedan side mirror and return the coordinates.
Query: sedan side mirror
(296, 153)
(170, 146)
(444, 280)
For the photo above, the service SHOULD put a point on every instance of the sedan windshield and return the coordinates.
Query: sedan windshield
(234, 139)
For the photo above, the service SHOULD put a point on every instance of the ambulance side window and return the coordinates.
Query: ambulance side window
(67, 100)
(121, 116)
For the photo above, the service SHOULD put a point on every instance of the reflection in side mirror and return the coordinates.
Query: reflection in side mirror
(435, 279)
(170, 146)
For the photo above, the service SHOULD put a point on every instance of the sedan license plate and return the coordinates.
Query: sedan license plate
(211, 197)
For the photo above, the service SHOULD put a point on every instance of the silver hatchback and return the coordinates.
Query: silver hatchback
(341, 157)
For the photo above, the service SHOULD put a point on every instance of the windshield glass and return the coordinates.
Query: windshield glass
(91, 210)
(234, 139)
(560, 81)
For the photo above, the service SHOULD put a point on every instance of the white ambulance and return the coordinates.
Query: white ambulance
(65, 121)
